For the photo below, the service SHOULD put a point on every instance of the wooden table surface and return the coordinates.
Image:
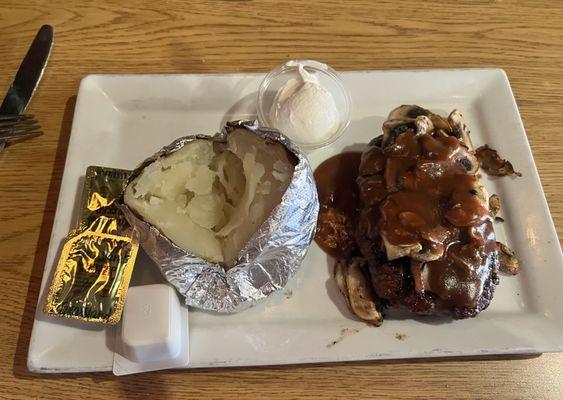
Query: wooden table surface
(524, 38)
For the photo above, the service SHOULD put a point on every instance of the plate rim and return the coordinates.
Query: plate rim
(82, 93)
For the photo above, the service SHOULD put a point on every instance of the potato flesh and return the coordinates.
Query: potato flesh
(210, 198)
(268, 170)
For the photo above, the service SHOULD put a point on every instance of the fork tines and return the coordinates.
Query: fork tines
(16, 117)
(18, 127)
(9, 121)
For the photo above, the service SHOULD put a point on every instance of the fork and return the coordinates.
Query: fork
(15, 128)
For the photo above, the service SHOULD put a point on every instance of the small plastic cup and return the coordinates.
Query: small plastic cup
(328, 78)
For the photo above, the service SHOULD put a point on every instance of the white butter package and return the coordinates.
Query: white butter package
(153, 334)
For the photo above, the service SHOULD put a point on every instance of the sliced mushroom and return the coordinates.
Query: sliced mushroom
(416, 272)
(508, 262)
(394, 251)
(482, 194)
(429, 253)
(428, 249)
(402, 119)
(360, 295)
(493, 164)
(494, 205)
(423, 125)
(394, 127)
(440, 124)
(340, 272)
(408, 111)
(467, 159)
(459, 127)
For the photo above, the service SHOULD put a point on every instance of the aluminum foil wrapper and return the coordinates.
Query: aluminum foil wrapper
(267, 261)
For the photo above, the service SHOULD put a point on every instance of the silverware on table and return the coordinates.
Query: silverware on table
(22, 89)
(18, 127)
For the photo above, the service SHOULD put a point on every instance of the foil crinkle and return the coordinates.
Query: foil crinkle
(268, 260)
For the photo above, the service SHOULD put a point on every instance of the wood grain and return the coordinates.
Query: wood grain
(524, 38)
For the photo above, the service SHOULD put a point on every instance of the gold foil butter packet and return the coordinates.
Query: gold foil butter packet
(102, 186)
(96, 263)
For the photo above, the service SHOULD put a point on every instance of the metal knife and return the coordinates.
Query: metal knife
(29, 74)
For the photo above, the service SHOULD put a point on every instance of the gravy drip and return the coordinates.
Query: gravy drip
(338, 198)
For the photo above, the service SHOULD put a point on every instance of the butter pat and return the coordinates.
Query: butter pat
(154, 331)
(151, 324)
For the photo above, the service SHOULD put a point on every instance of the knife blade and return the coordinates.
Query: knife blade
(29, 74)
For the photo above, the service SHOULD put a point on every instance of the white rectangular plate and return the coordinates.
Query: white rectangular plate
(121, 119)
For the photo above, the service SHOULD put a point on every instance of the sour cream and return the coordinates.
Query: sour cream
(305, 111)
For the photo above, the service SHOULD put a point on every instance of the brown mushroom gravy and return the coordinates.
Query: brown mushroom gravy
(420, 190)
(338, 198)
